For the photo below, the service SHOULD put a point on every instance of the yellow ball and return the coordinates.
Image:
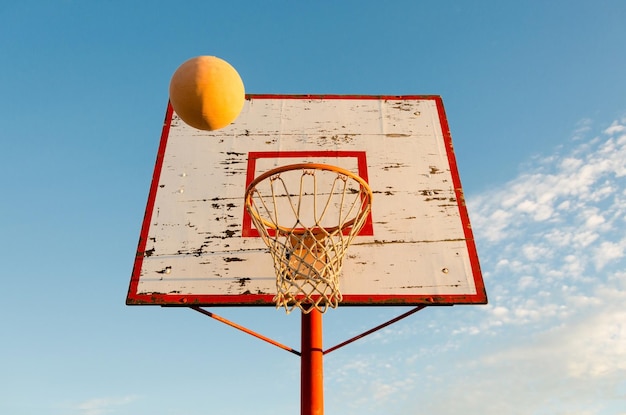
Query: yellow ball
(207, 93)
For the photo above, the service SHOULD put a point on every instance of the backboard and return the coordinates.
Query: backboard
(198, 245)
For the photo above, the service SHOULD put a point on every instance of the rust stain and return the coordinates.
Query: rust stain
(403, 106)
(402, 241)
(393, 166)
(336, 139)
(432, 192)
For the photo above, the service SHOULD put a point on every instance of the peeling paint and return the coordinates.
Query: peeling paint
(243, 281)
(233, 259)
(434, 170)
(419, 226)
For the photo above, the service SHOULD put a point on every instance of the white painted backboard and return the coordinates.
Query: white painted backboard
(198, 247)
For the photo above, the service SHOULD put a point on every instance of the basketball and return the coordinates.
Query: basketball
(207, 93)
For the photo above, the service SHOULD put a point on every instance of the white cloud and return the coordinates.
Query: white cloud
(615, 128)
(607, 252)
(101, 406)
(591, 345)
(582, 128)
(561, 221)
(575, 366)
(596, 346)
(572, 188)
(594, 220)
(534, 252)
(527, 282)
(555, 264)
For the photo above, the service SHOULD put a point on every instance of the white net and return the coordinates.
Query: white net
(307, 214)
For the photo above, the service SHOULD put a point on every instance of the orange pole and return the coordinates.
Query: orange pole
(312, 365)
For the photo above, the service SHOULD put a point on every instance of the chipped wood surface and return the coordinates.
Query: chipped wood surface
(419, 247)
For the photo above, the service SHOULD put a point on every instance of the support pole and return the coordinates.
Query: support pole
(312, 365)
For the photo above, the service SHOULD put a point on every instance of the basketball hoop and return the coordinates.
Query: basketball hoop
(307, 214)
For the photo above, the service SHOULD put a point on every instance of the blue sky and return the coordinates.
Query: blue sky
(535, 97)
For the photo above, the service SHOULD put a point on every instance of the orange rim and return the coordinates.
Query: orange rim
(305, 166)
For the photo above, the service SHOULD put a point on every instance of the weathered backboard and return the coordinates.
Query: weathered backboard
(198, 245)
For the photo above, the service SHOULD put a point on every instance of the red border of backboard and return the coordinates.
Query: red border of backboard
(134, 298)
